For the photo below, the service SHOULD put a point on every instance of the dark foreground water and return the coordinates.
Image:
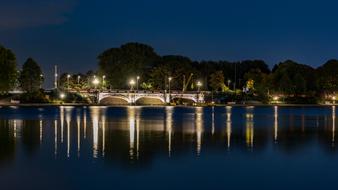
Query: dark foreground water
(168, 148)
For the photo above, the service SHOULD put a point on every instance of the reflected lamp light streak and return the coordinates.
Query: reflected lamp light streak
(95, 119)
(199, 128)
(131, 119)
(169, 125)
(228, 126)
(275, 126)
(55, 137)
(333, 124)
(78, 123)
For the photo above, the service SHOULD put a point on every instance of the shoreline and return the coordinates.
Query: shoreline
(215, 105)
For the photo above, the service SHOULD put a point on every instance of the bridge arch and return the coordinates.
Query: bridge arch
(114, 100)
(149, 100)
(183, 100)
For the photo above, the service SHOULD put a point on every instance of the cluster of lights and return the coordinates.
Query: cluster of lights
(275, 98)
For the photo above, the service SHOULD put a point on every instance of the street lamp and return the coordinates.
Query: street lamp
(131, 83)
(68, 77)
(333, 99)
(169, 79)
(199, 84)
(275, 98)
(96, 82)
(62, 96)
(137, 79)
(41, 78)
(229, 81)
(78, 79)
(103, 81)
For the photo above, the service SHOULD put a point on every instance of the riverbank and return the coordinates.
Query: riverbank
(199, 105)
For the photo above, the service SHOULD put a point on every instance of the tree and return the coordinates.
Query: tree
(31, 77)
(126, 62)
(8, 71)
(216, 81)
(291, 77)
(177, 67)
(327, 76)
(261, 83)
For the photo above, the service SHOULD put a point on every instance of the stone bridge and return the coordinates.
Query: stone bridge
(147, 97)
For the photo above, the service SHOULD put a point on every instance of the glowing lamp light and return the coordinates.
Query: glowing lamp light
(131, 82)
(275, 98)
(333, 98)
(62, 96)
(96, 81)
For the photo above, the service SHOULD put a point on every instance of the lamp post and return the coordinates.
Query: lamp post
(169, 79)
(333, 99)
(62, 96)
(96, 82)
(78, 79)
(199, 84)
(131, 83)
(137, 79)
(103, 81)
(41, 79)
(229, 81)
(68, 77)
(169, 91)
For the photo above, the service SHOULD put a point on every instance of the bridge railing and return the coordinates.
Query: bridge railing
(151, 91)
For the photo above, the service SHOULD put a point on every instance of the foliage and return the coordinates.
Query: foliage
(8, 71)
(293, 78)
(250, 84)
(146, 86)
(128, 61)
(327, 76)
(37, 96)
(176, 67)
(216, 81)
(31, 77)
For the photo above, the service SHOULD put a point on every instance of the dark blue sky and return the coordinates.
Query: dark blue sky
(71, 33)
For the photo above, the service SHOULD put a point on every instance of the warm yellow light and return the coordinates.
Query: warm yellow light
(333, 97)
(96, 81)
(170, 78)
(199, 83)
(275, 98)
(131, 82)
(68, 76)
(62, 95)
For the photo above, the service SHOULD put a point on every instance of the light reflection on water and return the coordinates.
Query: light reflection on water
(190, 121)
(137, 136)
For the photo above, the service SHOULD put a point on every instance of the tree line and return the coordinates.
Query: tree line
(28, 79)
(118, 66)
(288, 77)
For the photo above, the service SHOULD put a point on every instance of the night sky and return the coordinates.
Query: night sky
(71, 33)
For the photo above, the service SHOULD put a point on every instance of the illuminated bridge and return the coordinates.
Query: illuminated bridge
(147, 97)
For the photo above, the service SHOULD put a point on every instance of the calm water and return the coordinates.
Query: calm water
(168, 148)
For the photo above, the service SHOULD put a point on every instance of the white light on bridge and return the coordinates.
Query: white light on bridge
(62, 95)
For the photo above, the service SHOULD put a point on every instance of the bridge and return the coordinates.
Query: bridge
(147, 97)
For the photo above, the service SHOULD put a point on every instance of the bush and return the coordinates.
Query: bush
(34, 97)
(301, 100)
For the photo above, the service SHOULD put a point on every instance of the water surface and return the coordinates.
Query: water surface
(168, 147)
